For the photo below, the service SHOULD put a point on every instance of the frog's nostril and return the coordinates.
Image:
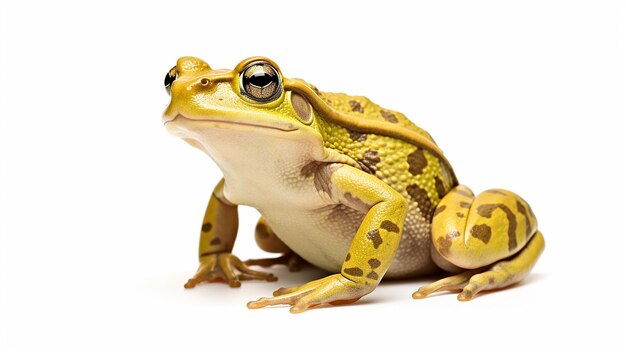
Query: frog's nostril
(170, 77)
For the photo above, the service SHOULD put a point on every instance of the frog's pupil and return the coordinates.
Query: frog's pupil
(261, 79)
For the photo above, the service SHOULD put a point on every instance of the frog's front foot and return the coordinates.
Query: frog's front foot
(291, 260)
(334, 289)
(225, 267)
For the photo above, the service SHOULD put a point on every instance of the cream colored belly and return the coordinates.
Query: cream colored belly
(323, 236)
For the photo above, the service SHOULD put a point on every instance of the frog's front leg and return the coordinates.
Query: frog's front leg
(492, 238)
(217, 239)
(372, 248)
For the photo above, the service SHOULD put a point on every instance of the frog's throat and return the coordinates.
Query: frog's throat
(366, 126)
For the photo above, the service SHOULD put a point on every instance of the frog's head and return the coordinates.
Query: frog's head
(217, 110)
(253, 114)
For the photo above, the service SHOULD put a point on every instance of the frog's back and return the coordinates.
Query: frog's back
(363, 108)
(403, 165)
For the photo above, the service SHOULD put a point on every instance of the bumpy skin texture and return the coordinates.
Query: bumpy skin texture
(341, 183)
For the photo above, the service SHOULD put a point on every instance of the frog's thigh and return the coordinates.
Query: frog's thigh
(267, 240)
(474, 233)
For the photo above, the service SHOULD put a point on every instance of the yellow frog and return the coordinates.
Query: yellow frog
(341, 183)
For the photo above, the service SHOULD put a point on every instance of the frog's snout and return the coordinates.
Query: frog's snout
(184, 65)
(188, 65)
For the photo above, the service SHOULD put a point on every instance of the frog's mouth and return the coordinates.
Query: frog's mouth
(221, 123)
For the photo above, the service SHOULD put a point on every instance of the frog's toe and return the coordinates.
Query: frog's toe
(250, 274)
(194, 281)
(331, 289)
(291, 260)
(288, 299)
(451, 283)
(285, 290)
(205, 273)
(299, 300)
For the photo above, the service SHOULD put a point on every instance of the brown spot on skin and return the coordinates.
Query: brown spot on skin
(204, 254)
(495, 191)
(371, 156)
(441, 190)
(369, 161)
(520, 207)
(357, 136)
(530, 210)
(444, 244)
(374, 263)
(417, 162)
(464, 204)
(374, 237)
(353, 271)
(356, 203)
(301, 106)
(464, 193)
(215, 242)
(461, 215)
(389, 226)
(309, 169)
(492, 280)
(373, 276)
(206, 227)
(482, 232)
(486, 210)
(348, 257)
(439, 210)
(522, 210)
(420, 196)
(356, 106)
(389, 117)
(321, 173)
(322, 178)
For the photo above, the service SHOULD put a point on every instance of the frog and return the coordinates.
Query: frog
(340, 183)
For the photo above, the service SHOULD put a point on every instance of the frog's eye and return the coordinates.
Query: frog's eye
(170, 77)
(261, 82)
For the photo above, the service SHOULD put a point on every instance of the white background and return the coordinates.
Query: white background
(101, 208)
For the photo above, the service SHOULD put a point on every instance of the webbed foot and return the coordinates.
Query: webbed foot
(334, 289)
(226, 267)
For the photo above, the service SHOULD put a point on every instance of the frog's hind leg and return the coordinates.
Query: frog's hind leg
(267, 240)
(492, 239)
(502, 274)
